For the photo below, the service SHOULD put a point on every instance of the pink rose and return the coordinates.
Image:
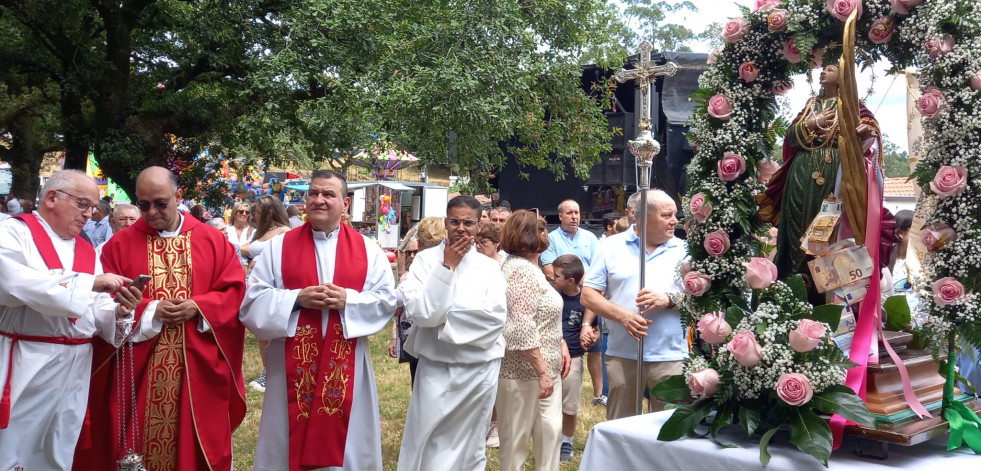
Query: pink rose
(719, 107)
(699, 208)
(760, 272)
(713, 328)
(794, 389)
(766, 169)
(947, 291)
(930, 102)
(976, 80)
(696, 284)
(745, 349)
(731, 166)
(790, 51)
(936, 236)
(781, 88)
(777, 21)
(882, 29)
(748, 72)
(842, 8)
(764, 5)
(937, 46)
(807, 336)
(949, 181)
(704, 382)
(734, 30)
(713, 56)
(716, 243)
(903, 7)
(685, 267)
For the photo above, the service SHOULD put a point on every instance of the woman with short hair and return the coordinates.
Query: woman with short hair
(529, 398)
(488, 240)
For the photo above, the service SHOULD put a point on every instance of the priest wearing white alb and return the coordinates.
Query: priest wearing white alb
(322, 278)
(52, 301)
(457, 300)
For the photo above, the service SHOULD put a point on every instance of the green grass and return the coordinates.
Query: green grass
(394, 389)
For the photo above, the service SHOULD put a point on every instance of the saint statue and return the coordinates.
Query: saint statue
(811, 170)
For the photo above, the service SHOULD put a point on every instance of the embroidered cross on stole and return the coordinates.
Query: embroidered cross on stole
(169, 267)
(320, 366)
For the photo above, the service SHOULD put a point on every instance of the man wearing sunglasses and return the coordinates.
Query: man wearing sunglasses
(456, 298)
(315, 293)
(52, 302)
(189, 340)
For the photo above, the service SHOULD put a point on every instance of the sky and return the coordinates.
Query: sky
(888, 102)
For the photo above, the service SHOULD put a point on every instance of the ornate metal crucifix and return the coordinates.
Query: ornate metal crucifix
(645, 73)
(644, 148)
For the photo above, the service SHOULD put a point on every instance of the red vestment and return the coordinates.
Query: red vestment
(190, 390)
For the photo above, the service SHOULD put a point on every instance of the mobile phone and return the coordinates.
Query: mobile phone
(140, 282)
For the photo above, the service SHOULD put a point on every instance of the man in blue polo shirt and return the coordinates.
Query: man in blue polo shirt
(615, 271)
(568, 239)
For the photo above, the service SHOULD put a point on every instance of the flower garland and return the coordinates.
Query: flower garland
(749, 320)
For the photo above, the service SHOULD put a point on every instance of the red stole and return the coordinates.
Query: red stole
(320, 365)
(84, 252)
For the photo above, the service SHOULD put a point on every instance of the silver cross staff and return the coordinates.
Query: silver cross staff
(644, 148)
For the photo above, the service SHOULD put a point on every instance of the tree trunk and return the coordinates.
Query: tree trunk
(25, 156)
(73, 124)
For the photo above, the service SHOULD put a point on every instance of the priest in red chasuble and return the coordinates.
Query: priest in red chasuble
(187, 358)
(315, 293)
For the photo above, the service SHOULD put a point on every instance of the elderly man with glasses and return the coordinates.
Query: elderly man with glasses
(190, 394)
(52, 303)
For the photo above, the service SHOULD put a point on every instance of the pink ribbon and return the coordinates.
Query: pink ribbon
(869, 326)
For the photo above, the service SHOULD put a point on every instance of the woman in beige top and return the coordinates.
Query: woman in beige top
(529, 396)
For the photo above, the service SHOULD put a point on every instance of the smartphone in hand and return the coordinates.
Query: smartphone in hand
(140, 282)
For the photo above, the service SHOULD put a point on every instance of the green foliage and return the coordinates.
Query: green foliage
(843, 401)
(897, 313)
(674, 388)
(895, 159)
(684, 420)
(810, 433)
(829, 314)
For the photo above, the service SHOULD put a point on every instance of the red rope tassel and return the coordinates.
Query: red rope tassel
(5, 406)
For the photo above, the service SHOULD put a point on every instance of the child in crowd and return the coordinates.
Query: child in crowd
(569, 270)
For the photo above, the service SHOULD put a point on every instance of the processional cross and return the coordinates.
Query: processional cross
(644, 148)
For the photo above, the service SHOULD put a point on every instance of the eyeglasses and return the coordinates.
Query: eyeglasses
(159, 204)
(243, 211)
(410, 253)
(454, 222)
(484, 241)
(83, 204)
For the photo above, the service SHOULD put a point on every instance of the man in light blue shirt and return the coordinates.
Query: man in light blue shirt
(568, 239)
(615, 272)
(98, 228)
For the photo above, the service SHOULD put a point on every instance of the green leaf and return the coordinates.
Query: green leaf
(829, 313)
(734, 315)
(761, 328)
(765, 455)
(723, 417)
(684, 420)
(810, 433)
(674, 388)
(846, 404)
(897, 312)
(749, 417)
(796, 284)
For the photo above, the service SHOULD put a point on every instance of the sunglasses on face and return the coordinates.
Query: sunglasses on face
(159, 204)
(243, 211)
(468, 223)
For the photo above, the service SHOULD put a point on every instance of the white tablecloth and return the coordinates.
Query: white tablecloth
(632, 444)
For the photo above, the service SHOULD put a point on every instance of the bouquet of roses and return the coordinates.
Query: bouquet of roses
(771, 365)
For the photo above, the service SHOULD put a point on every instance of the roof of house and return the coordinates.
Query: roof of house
(899, 187)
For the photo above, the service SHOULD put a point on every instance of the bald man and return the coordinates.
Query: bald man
(189, 341)
(52, 302)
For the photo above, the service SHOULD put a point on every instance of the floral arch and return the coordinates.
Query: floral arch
(734, 138)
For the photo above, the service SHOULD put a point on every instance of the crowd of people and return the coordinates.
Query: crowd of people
(498, 318)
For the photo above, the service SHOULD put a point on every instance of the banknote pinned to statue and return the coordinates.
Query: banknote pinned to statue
(823, 230)
(846, 264)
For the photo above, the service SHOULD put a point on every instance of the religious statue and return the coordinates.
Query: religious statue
(811, 169)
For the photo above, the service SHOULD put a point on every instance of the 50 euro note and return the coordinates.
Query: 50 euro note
(819, 234)
(841, 267)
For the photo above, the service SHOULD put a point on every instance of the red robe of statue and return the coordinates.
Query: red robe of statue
(189, 386)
